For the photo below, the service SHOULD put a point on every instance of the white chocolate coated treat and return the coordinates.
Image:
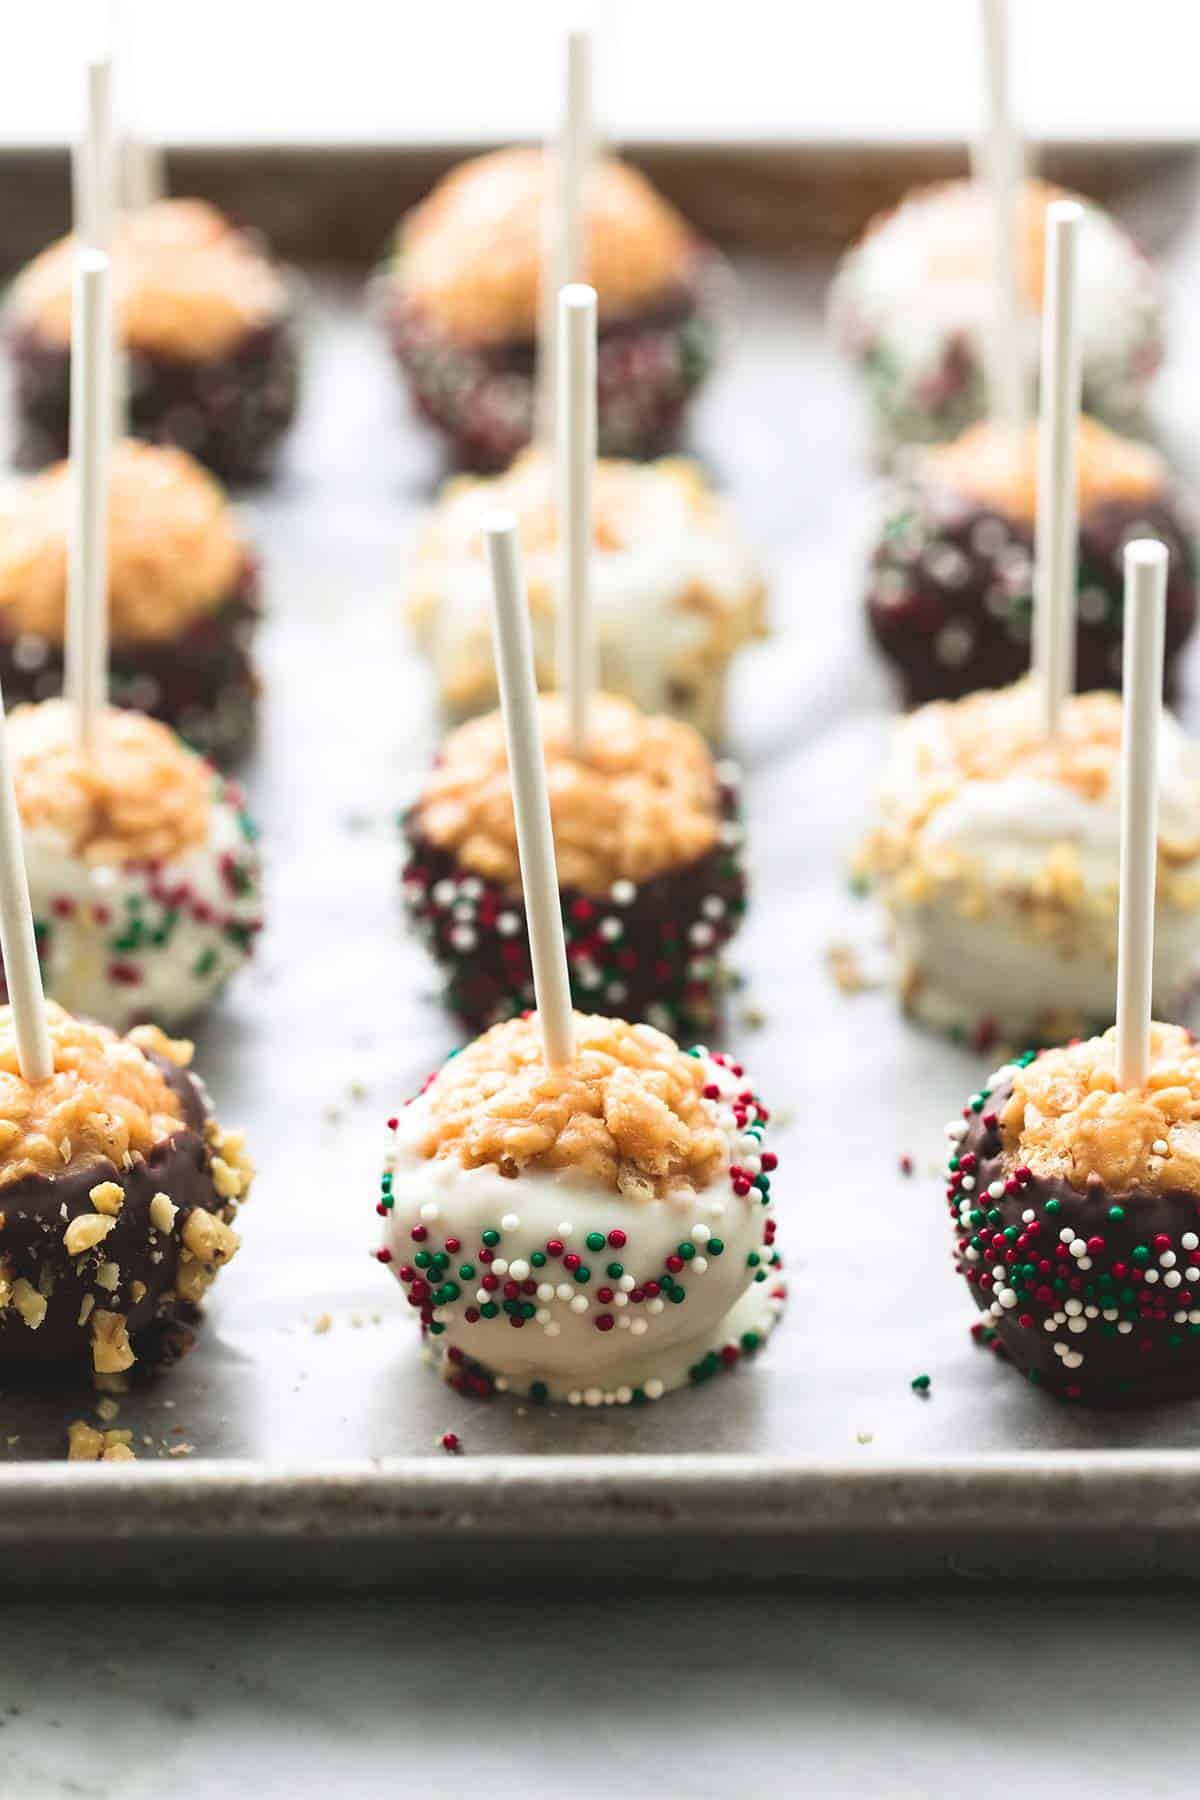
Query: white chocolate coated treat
(590, 1336)
(123, 942)
(673, 591)
(912, 303)
(1002, 888)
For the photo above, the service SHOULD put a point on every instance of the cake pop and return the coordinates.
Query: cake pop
(206, 323)
(673, 593)
(911, 304)
(460, 297)
(183, 595)
(950, 594)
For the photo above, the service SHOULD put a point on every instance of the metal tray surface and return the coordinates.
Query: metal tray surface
(315, 1452)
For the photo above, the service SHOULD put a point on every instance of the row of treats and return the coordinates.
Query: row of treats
(600, 1233)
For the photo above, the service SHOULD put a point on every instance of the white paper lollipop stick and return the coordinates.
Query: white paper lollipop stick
(95, 164)
(143, 173)
(1001, 157)
(1142, 675)
(1058, 436)
(576, 456)
(17, 940)
(86, 675)
(531, 802)
(563, 237)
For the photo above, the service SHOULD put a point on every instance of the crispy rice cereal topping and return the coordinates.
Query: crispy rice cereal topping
(628, 1113)
(472, 252)
(139, 796)
(644, 800)
(1068, 1118)
(175, 551)
(105, 1100)
(989, 466)
(185, 283)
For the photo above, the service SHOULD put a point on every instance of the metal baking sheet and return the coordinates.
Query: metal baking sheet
(298, 1442)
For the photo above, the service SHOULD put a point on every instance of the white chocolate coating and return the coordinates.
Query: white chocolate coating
(1003, 904)
(653, 1343)
(87, 909)
(890, 311)
(673, 590)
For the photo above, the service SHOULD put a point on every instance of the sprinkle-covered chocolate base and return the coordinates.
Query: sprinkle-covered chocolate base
(603, 1286)
(648, 952)
(202, 683)
(147, 941)
(1093, 1295)
(230, 412)
(482, 397)
(950, 593)
(97, 1261)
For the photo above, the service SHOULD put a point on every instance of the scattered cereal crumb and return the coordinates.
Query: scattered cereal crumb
(107, 1408)
(753, 1018)
(86, 1444)
(357, 1091)
(333, 1115)
(845, 968)
(356, 1321)
(323, 1324)
(182, 1450)
(865, 1437)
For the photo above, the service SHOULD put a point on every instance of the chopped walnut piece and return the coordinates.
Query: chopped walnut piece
(120, 1448)
(29, 1303)
(107, 1197)
(137, 1291)
(108, 1275)
(84, 1442)
(163, 1211)
(85, 1308)
(86, 1231)
(209, 1239)
(111, 1349)
(628, 1110)
(232, 1169)
(193, 1280)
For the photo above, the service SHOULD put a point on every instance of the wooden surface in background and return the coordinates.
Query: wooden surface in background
(338, 207)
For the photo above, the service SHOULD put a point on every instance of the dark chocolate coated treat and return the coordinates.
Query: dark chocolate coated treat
(950, 595)
(229, 411)
(648, 365)
(202, 683)
(37, 1209)
(1110, 1270)
(649, 953)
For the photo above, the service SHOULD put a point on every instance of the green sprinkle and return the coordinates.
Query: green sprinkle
(490, 1237)
(594, 1240)
(920, 1384)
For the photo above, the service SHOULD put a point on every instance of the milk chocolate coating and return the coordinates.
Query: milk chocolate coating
(485, 982)
(952, 592)
(1159, 1359)
(37, 1209)
(202, 683)
(229, 411)
(481, 396)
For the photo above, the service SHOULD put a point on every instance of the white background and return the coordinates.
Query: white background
(387, 71)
